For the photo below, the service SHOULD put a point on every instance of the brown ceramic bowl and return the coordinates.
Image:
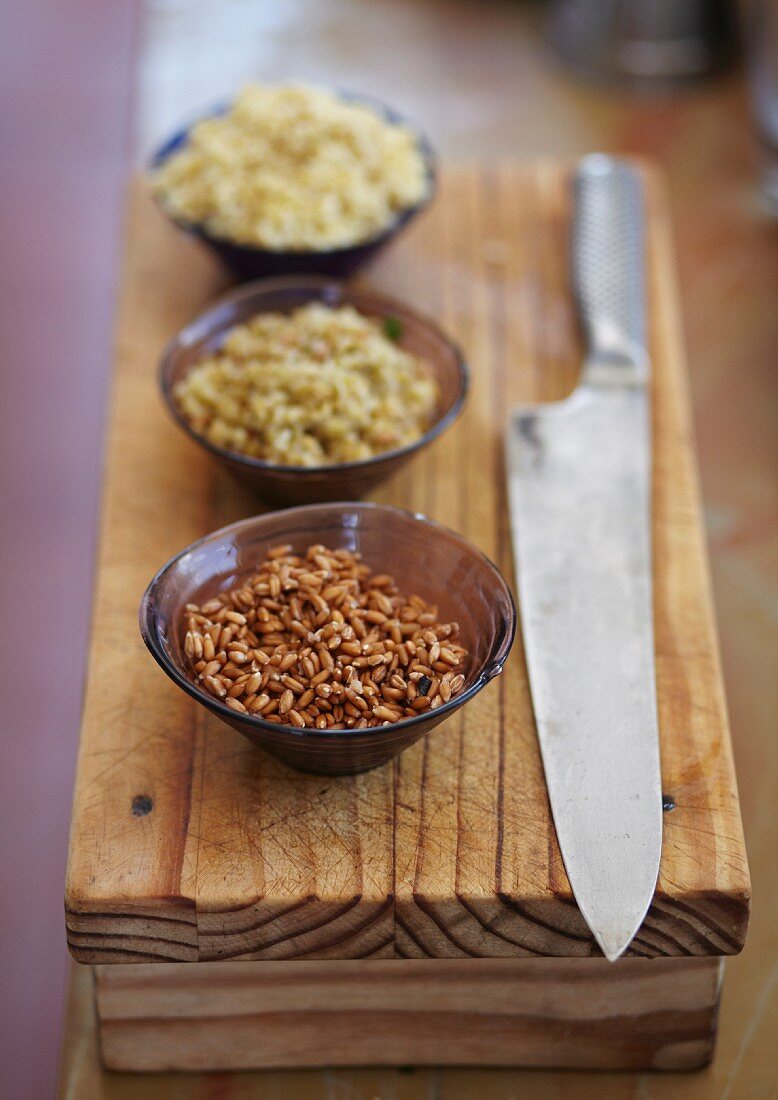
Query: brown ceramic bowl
(424, 557)
(308, 484)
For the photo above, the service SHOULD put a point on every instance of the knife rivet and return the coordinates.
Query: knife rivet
(667, 803)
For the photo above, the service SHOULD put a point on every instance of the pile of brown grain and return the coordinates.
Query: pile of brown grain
(321, 641)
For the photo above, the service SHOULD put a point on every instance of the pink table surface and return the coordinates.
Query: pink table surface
(65, 78)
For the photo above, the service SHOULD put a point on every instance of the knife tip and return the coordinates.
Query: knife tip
(614, 942)
(617, 917)
(613, 948)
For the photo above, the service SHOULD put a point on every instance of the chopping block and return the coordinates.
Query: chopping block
(238, 914)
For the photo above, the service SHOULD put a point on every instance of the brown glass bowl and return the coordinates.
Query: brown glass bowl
(307, 484)
(424, 558)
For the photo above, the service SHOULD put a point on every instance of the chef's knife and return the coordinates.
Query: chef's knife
(579, 476)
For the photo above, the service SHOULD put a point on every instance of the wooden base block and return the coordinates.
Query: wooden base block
(573, 1013)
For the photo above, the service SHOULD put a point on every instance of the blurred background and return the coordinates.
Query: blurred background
(88, 89)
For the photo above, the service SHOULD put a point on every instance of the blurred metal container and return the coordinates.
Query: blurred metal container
(762, 54)
(646, 43)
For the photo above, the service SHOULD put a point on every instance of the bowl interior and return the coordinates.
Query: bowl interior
(424, 558)
(417, 335)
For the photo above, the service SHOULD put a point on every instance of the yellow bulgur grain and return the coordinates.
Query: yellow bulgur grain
(294, 167)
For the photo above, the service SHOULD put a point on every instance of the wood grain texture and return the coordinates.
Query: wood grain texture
(451, 851)
(576, 1013)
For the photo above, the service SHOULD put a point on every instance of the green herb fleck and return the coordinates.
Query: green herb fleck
(393, 328)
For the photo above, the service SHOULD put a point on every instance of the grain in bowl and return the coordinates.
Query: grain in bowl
(294, 168)
(318, 640)
(318, 386)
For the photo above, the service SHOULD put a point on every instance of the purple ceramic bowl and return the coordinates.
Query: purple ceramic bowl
(252, 262)
(424, 557)
(308, 484)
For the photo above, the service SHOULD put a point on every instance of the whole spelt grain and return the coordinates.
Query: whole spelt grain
(332, 658)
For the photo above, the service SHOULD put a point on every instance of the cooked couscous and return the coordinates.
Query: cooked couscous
(294, 167)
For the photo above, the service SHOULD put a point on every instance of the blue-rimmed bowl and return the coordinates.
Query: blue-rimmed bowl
(251, 262)
(424, 557)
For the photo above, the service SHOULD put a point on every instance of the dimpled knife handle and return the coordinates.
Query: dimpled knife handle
(608, 261)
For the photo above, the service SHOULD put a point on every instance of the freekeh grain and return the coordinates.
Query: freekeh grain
(314, 387)
(319, 642)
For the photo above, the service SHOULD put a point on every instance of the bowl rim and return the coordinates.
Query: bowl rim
(499, 651)
(176, 140)
(319, 285)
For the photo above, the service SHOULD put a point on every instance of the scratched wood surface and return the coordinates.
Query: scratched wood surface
(449, 852)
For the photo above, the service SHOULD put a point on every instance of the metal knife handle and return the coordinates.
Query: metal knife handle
(608, 264)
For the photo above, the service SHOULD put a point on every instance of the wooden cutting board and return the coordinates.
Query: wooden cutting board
(190, 844)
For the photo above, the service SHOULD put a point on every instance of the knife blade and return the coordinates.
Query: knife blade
(579, 484)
